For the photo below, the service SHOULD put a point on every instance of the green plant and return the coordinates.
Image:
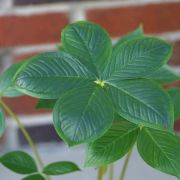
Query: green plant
(107, 97)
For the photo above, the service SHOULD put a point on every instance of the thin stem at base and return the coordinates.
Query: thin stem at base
(111, 171)
(100, 174)
(25, 133)
(124, 169)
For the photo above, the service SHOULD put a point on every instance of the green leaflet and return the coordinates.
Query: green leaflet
(6, 81)
(175, 95)
(59, 168)
(89, 43)
(80, 116)
(138, 33)
(113, 145)
(138, 58)
(2, 122)
(46, 103)
(49, 75)
(12, 92)
(142, 102)
(164, 75)
(160, 150)
(34, 177)
(19, 162)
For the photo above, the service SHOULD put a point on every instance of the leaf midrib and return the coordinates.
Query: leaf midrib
(84, 110)
(156, 143)
(21, 166)
(60, 77)
(86, 47)
(126, 92)
(132, 59)
(120, 137)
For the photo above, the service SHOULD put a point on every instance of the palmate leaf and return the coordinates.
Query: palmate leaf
(138, 33)
(89, 43)
(49, 75)
(160, 150)
(138, 58)
(72, 76)
(113, 145)
(142, 102)
(7, 79)
(19, 162)
(80, 116)
(59, 168)
(2, 122)
(164, 75)
(175, 95)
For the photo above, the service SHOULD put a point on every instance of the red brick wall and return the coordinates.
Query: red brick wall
(29, 30)
(156, 18)
(33, 29)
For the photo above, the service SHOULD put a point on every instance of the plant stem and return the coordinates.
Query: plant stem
(111, 172)
(100, 173)
(124, 169)
(25, 133)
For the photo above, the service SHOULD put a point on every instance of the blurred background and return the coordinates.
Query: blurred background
(29, 27)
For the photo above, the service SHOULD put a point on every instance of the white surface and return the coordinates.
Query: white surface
(63, 7)
(137, 170)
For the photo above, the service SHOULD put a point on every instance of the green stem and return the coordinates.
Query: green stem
(111, 172)
(100, 174)
(25, 133)
(124, 169)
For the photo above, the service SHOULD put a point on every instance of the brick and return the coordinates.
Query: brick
(174, 84)
(23, 105)
(177, 125)
(34, 29)
(156, 18)
(175, 60)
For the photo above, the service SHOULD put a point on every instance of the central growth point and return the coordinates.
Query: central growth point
(100, 82)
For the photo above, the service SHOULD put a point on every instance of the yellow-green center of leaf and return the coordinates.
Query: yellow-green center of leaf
(100, 82)
(141, 127)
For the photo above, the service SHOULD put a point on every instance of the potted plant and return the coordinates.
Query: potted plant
(109, 97)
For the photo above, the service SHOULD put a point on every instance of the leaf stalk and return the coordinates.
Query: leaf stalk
(111, 171)
(124, 169)
(25, 133)
(100, 173)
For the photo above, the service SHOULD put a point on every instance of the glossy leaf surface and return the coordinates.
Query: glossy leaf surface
(49, 75)
(7, 79)
(160, 150)
(19, 162)
(164, 75)
(175, 95)
(142, 102)
(59, 168)
(89, 43)
(34, 177)
(113, 145)
(80, 116)
(138, 58)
